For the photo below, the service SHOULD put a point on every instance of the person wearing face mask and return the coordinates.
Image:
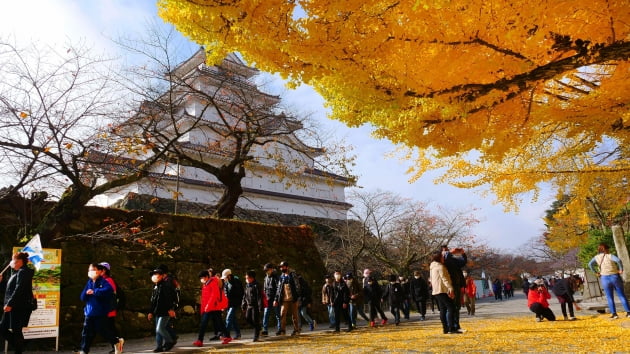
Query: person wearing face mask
(97, 296)
(419, 290)
(340, 301)
(210, 303)
(162, 309)
(373, 293)
(17, 301)
(287, 297)
(327, 293)
(455, 260)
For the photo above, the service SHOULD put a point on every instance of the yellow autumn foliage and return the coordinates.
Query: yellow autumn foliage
(589, 334)
(502, 93)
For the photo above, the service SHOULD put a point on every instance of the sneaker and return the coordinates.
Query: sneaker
(312, 326)
(237, 336)
(118, 347)
(226, 340)
(372, 324)
(168, 346)
(264, 333)
(255, 339)
(566, 318)
(459, 330)
(572, 318)
(295, 333)
(627, 314)
(215, 338)
(538, 319)
(384, 322)
(455, 332)
(614, 316)
(279, 333)
(422, 318)
(198, 343)
(156, 350)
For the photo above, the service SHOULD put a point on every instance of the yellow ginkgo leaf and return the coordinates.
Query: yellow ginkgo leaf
(68, 145)
(46, 149)
(23, 114)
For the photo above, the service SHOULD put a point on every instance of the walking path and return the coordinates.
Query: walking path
(486, 308)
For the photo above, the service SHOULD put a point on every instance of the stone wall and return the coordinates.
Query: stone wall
(201, 243)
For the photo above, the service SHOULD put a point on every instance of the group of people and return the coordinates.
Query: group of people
(343, 295)
(608, 268)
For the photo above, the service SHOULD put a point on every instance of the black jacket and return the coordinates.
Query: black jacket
(19, 289)
(271, 286)
(292, 280)
(372, 292)
(340, 294)
(394, 294)
(163, 299)
(419, 289)
(234, 291)
(252, 297)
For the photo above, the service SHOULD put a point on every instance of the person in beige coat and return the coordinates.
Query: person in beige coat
(443, 292)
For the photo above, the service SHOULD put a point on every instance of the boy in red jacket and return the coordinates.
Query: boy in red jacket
(211, 304)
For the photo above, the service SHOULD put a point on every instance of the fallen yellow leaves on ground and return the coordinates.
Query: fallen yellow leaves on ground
(589, 334)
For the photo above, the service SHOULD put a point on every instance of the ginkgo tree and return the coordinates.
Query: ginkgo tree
(498, 93)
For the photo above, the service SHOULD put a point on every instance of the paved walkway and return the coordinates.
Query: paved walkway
(486, 308)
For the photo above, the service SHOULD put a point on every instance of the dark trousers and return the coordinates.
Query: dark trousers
(93, 325)
(375, 307)
(205, 319)
(405, 308)
(11, 329)
(421, 306)
(447, 311)
(217, 323)
(566, 300)
(252, 316)
(457, 305)
(338, 311)
(395, 310)
(542, 311)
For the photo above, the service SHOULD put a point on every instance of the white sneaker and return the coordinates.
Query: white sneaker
(118, 347)
(538, 319)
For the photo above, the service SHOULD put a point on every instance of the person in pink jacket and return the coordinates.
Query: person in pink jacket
(537, 301)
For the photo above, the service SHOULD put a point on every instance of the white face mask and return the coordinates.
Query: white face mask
(155, 278)
(202, 280)
(12, 264)
(337, 277)
(92, 274)
(417, 277)
(465, 274)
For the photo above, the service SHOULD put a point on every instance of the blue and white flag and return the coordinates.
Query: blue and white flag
(35, 251)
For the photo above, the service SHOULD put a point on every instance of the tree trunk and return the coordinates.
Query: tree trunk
(72, 200)
(227, 204)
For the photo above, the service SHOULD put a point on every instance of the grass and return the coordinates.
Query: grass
(589, 334)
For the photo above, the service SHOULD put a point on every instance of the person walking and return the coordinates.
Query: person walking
(287, 298)
(356, 299)
(340, 301)
(18, 301)
(97, 296)
(162, 309)
(253, 302)
(111, 316)
(373, 296)
(419, 290)
(304, 304)
(394, 294)
(443, 292)
(367, 273)
(211, 294)
(270, 285)
(609, 270)
(234, 292)
(327, 294)
(405, 306)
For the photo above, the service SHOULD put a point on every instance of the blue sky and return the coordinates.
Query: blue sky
(94, 21)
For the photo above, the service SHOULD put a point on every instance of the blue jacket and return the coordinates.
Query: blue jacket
(99, 303)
